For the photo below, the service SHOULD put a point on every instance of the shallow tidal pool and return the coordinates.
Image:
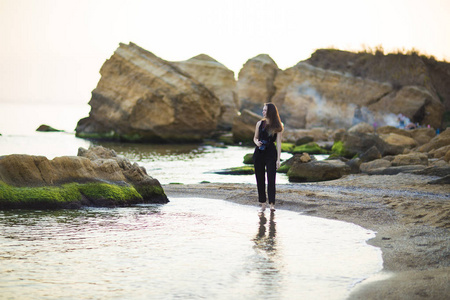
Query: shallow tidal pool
(190, 248)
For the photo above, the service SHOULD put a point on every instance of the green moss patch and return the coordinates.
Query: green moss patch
(75, 195)
(283, 168)
(109, 194)
(339, 149)
(248, 159)
(39, 197)
(310, 148)
(287, 147)
(244, 170)
(152, 192)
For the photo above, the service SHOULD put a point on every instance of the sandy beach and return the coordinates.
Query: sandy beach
(410, 216)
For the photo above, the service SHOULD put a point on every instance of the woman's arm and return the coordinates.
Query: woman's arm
(256, 137)
(279, 137)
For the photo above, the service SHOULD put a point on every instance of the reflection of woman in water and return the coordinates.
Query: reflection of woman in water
(261, 241)
(267, 261)
(266, 155)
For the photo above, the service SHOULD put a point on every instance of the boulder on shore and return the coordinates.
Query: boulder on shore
(412, 158)
(96, 177)
(317, 170)
(399, 140)
(437, 142)
(141, 97)
(351, 144)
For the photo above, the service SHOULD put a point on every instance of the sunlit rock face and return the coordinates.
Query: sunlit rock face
(310, 97)
(420, 84)
(141, 97)
(333, 87)
(255, 84)
(219, 80)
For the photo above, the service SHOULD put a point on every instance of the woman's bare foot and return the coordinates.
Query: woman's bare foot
(263, 207)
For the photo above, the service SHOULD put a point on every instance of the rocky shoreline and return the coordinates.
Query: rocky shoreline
(411, 218)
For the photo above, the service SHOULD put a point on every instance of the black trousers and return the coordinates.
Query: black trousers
(265, 160)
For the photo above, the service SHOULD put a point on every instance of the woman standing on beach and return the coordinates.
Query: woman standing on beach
(266, 155)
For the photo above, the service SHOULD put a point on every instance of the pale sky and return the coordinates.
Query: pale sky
(52, 50)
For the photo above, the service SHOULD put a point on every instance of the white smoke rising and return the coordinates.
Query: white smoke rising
(390, 120)
(323, 113)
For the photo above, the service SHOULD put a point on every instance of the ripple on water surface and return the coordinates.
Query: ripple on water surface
(191, 248)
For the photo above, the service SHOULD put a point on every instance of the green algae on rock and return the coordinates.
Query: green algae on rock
(71, 195)
(244, 170)
(287, 147)
(248, 159)
(96, 177)
(310, 148)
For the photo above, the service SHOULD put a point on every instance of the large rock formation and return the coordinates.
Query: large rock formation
(141, 97)
(95, 177)
(400, 70)
(309, 96)
(421, 85)
(145, 98)
(219, 80)
(255, 84)
(332, 87)
(313, 97)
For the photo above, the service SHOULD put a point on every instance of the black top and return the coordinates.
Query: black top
(264, 134)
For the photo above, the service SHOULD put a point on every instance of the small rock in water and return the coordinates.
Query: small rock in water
(47, 128)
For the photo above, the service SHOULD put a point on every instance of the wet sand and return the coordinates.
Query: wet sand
(410, 216)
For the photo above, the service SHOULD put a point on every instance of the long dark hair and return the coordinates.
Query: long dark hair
(275, 124)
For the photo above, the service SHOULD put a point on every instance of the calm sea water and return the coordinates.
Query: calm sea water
(186, 163)
(191, 248)
(187, 249)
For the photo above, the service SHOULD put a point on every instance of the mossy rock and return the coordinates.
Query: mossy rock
(339, 150)
(71, 195)
(287, 147)
(153, 193)
(304, 140)
(310, 148)
(103, 194)
(244, 170)
(39, 197)
(317, 171)
(284, 168)
(248, 159)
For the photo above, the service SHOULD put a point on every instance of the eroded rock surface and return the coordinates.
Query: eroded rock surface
(141, 97)
(219, 80)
